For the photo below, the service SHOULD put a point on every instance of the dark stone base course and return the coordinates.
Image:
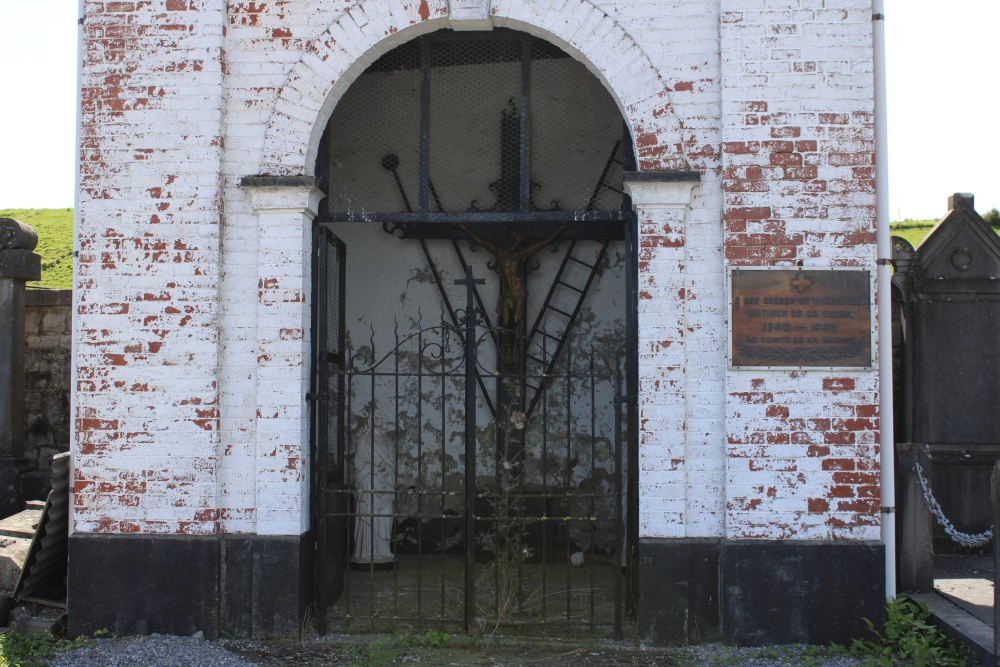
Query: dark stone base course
(254, 585)
(751, 593)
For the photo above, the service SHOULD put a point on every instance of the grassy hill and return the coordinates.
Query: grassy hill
(55, 242)
(913, 231)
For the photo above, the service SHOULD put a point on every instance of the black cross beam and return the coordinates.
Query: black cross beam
(592, 230)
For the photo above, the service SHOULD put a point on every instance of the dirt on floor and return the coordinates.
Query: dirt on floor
(373, 651)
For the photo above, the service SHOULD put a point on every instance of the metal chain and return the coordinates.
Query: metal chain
(964, 539)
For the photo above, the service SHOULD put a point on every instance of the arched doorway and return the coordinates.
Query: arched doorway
(473, 457)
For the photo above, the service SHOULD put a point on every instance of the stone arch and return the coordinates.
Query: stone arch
(333, 61)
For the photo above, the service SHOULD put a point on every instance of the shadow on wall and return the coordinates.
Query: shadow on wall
(48, 343)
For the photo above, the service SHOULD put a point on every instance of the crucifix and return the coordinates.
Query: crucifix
(512, 258)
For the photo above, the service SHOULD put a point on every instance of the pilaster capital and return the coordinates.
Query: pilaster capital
(283, 194)
(661, 189)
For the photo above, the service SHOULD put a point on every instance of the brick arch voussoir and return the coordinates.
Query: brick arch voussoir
(334, 60)
(597, 40)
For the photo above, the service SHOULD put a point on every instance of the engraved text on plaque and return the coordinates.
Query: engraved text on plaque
(800, 318)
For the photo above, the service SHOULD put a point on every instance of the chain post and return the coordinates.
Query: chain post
(964, 539)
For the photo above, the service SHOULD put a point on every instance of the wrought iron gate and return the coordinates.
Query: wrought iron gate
(477, 474)
(466, 512)
(328, 498)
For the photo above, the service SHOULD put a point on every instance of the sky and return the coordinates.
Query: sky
(943, 86)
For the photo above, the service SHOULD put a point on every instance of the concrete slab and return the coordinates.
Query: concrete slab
(13, 553)
(962, 627)
(21, 524)
(973, 595)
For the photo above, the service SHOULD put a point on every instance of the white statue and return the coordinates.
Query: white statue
(374, 482)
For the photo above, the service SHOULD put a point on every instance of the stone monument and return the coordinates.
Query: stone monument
(18, 264)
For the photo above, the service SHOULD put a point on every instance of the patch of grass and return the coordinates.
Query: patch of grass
(18, 650)
(430, 639)
(376, 653)
(913, 231)
(55, 242)
(907, 638)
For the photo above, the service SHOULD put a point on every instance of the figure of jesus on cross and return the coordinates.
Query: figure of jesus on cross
(512, 259)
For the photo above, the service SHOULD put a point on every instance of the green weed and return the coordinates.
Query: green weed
(906, 638)
(430, 639)
(19, 650)
(376, 653)
(794, 654)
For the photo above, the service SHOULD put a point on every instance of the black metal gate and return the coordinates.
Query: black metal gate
(328, 480)
(473, 475)
(466, 512)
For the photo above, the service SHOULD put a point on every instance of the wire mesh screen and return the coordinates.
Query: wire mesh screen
(495, 122)
(378, 116)
(473, 117)
(575, 133)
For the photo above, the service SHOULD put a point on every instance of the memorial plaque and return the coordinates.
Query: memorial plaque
(800, 318)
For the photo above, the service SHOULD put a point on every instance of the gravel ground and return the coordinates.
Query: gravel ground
(373, 651)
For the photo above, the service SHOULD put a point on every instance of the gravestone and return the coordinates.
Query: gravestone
(948, 289)
(18, 264)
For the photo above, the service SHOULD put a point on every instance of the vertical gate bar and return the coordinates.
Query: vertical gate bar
(350, 445)
(618, 502)
(444, 471)
(995, 503)
(395, 477)
(631, 405)
(343, 357)
(567, 490)
(499, 454)
(420, 463)
(521, 523)
(425, 122)
(470, 454)
(525, 122)
(545, 484)
(593, 476)
(321, 432)
(371, 485)
(630, 398)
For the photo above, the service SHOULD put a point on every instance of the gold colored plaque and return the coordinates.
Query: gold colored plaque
(800, 318)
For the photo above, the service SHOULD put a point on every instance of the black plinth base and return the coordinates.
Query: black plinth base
(752, 593)
(252, 585)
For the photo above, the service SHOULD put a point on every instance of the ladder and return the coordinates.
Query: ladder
(567, 290)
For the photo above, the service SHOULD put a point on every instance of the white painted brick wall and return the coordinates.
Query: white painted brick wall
(175, 441)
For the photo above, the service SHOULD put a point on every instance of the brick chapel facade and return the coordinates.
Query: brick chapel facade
(752, 143)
